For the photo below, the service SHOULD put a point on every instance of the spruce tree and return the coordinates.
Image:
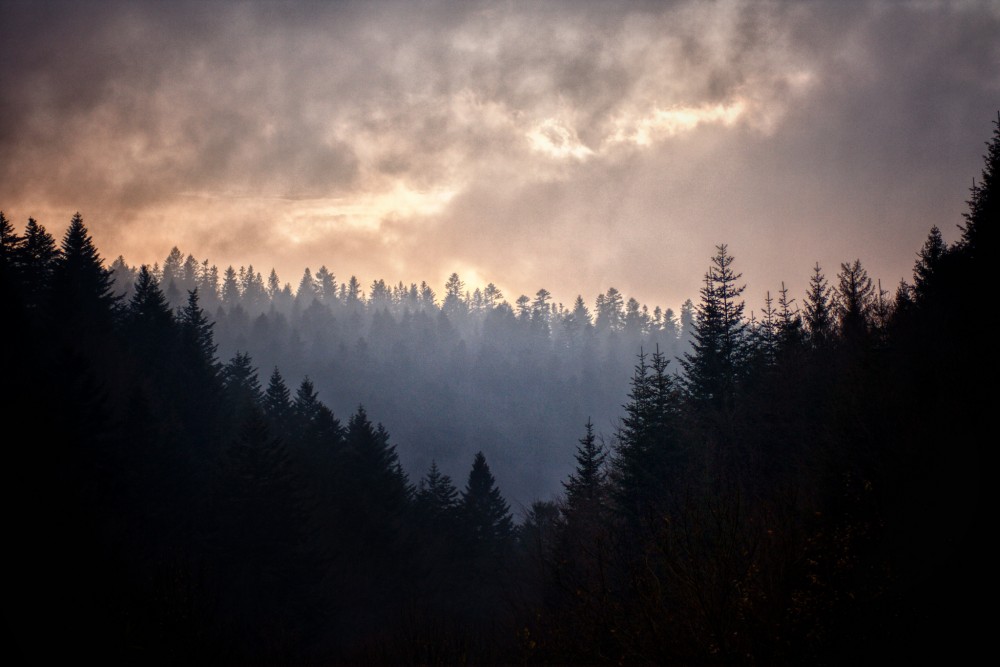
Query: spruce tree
(790, 332)
(437, 497)
(82, 288)
(197, 339)
(36, 262)
(278, 401)
(984, 203)
(719, 339)
(855, 301)
(819, 309)
(928, 266)
(241, 385)
(147, 308)
(585, 486)
(485, 513)
(646, 454)
(10, 245)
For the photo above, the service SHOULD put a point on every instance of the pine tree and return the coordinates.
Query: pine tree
(242, 388)
(485, 513)
(372, 484)
(148, 307)
(719, 340)
(230, 289)
(10, 245)
(609, 311)
(766, 333)
(646, 453)
(928, 265)
(278, 402)
(790, 333)
(326, 285)
(855, 301)
(125, 277)
(523, 304)
(307, 292)
(437, 497)
(819, 309)
(198, 341)
(353, 295)
(82, 287)
(36, 263)
(454, 288)
(149, 324)
(984, 203)
(585, 486)
(273, 285)
(317, 429)
(492, 296)
(540, 312)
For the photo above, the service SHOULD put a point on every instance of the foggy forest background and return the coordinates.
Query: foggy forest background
(220, 466)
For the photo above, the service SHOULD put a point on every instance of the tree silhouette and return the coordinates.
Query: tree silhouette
(819, 307)
(585, 486)
(719, 344)
(82, 287)
(485, 513)
(855, 301)
(36, 261)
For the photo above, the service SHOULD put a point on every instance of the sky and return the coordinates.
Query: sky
(573, 146)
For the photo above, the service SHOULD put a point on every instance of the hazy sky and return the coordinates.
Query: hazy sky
(565, 145)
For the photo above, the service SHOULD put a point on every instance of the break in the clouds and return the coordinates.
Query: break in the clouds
(564, 145)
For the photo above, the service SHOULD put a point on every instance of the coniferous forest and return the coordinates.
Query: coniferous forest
(803, 486)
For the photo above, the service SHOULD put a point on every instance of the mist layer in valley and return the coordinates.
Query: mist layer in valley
(448, 374)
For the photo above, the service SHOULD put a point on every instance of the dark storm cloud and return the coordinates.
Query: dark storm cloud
(565, 145)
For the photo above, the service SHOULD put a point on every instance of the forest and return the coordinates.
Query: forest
(198, 470)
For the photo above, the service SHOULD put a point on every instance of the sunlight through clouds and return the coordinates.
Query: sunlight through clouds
(363, 212)
(554, 139)
(660, 123)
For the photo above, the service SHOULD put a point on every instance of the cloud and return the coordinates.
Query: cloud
(565, 145)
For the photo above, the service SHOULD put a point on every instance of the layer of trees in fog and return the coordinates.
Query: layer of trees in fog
(448, 373)
(803, 486)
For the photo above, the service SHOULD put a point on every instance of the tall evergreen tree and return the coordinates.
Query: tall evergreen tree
(326, 285)
(719, 339)
(453, 303)
(318, 430)
(585, 486)
(819, 309)
(437, 497)
(241, 386)
(855, 301)
(10, 247)
(278, 401)
(148, 307)
(307, 291)
(646, 450)
(984, 203)
(928, 265)
(149, 324)
(82, 287)
(36, 263)
(197, 339)
(230, 288)
(791, 335)
(485, 513)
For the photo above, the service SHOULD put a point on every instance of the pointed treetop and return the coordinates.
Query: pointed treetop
(486, 513)
(586, 484)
